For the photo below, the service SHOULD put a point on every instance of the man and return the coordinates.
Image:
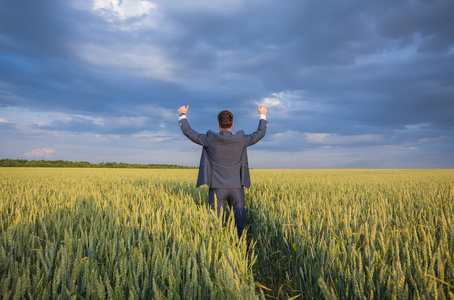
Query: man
(224, 164)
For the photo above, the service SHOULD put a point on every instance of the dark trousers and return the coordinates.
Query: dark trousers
(235, 198)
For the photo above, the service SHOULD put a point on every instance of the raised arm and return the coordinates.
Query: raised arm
(261, 130)
(190, 133)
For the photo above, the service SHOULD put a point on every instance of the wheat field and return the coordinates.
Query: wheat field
(149, 234)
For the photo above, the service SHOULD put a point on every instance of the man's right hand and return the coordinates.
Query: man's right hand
(183, 110)
(262, 110)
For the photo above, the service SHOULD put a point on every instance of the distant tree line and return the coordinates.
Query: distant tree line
(82, 164)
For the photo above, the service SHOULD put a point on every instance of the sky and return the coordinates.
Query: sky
(347, 84)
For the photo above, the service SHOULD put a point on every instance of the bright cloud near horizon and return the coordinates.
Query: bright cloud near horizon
(347, 84)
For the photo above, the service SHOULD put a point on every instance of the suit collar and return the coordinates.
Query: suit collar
(225, 133)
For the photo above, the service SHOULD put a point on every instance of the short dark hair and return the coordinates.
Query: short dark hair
(225, 119)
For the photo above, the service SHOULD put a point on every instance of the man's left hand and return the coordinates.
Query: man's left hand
(262, 110)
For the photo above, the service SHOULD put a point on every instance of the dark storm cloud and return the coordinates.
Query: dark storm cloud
(40, 65)
(315, 47)
(36, 28)
(428, 21)
(388, 94)
(302, 34)
(333, 74)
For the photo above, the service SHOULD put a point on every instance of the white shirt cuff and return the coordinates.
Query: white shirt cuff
(262, 117)
(181, 117)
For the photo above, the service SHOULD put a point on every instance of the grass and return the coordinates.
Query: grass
(313, 234)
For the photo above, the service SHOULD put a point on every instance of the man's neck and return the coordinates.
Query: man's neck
(229, 129)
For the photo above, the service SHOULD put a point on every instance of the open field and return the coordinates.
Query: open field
(137, 234)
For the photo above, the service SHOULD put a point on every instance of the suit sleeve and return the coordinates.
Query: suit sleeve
(256, 136)
(191, 134)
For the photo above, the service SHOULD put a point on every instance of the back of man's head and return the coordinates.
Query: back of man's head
(225, 119)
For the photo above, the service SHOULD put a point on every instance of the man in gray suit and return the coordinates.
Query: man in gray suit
(224, 164)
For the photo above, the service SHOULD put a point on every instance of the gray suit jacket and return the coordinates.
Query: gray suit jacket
(224, 162)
